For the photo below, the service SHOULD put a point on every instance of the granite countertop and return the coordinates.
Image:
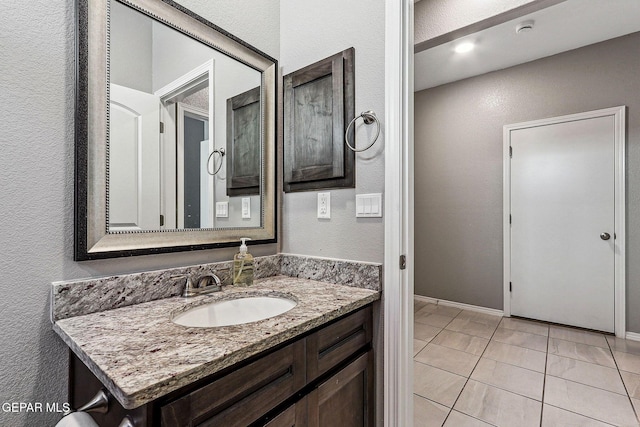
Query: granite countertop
(139, 354)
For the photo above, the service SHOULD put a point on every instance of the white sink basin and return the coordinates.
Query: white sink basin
(234, 312)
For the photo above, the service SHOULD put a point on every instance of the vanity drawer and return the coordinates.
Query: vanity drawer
(335, 343)
(244, 395)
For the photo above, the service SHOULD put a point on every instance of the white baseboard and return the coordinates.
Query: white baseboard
(632, 336)
(470, 307)
(425, 299)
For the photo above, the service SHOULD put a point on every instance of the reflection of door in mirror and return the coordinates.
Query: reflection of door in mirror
(186, 93)
(192, 94)
(134, 187)
(194, 182)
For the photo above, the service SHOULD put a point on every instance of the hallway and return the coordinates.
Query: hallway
(496, 371)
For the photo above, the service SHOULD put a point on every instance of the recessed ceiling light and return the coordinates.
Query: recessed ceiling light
(464, 47)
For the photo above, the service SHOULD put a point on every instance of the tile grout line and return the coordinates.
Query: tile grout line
(633, 408)
(429, 342)
(450, 409)
(544, 377)
(516, 366)
(587, 361)
(582, 343)
(582, 415)
(589, 385)
(615, 368)
(523, 332)
(471, 373)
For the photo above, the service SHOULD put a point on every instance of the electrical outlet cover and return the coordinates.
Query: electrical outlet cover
(324, 205)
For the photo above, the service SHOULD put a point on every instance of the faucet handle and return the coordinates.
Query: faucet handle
(189, 290)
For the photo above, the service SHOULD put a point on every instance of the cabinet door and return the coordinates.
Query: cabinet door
(294, 416)
(337, 342)
(318, 105)
(346, 398)
(244, 395)
(243, 143)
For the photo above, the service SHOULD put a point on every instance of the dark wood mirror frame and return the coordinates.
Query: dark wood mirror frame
(92, 240)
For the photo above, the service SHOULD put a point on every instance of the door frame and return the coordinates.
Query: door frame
(619, 115)
(398, 224)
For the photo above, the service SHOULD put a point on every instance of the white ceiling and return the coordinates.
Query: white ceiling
(565, 26)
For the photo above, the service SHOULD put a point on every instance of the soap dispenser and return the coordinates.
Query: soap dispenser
(243, 266)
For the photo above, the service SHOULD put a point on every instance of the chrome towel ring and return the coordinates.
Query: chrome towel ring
(368, 117)
(220, 151)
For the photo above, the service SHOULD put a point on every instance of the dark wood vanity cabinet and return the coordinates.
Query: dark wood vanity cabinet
(242, 396)
(322, 379)
(346, 398)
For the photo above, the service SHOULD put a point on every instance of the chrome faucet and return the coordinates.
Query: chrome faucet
(204, 285)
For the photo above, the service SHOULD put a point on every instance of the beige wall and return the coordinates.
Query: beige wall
(458, 149)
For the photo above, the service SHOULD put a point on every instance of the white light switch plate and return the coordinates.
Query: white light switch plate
(369, 205)
(324, 205)
(222, 209)
(246, 207)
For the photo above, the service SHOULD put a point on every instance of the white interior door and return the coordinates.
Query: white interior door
(134, 147)
(562, 212)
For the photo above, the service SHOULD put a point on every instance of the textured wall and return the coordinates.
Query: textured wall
(458, 145)
(36, 187)
(433, 18)
(311, 31)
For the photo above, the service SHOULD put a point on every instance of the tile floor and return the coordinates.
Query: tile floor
(476, 369)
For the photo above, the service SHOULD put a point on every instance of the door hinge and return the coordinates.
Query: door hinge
(161, 220)
(509, 218)
(403, 262)
(509, 286)
(161, 127)
(510, 151)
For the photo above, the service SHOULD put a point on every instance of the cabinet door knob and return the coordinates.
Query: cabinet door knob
(605, 236)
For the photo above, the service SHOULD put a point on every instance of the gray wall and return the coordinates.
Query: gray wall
(458, 149)
(311, 31)
(131, 39)
(36, 190)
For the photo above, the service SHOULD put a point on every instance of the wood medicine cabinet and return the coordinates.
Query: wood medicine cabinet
(319, 102)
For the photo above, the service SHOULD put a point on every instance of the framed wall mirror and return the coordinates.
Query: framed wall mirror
(154, 155)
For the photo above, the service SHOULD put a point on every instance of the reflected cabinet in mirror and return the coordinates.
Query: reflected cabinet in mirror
(175, 132)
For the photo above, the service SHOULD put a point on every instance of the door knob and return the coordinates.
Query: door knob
(605, 236)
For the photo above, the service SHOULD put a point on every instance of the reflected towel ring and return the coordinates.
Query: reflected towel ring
(368, 117)
(219, 151)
